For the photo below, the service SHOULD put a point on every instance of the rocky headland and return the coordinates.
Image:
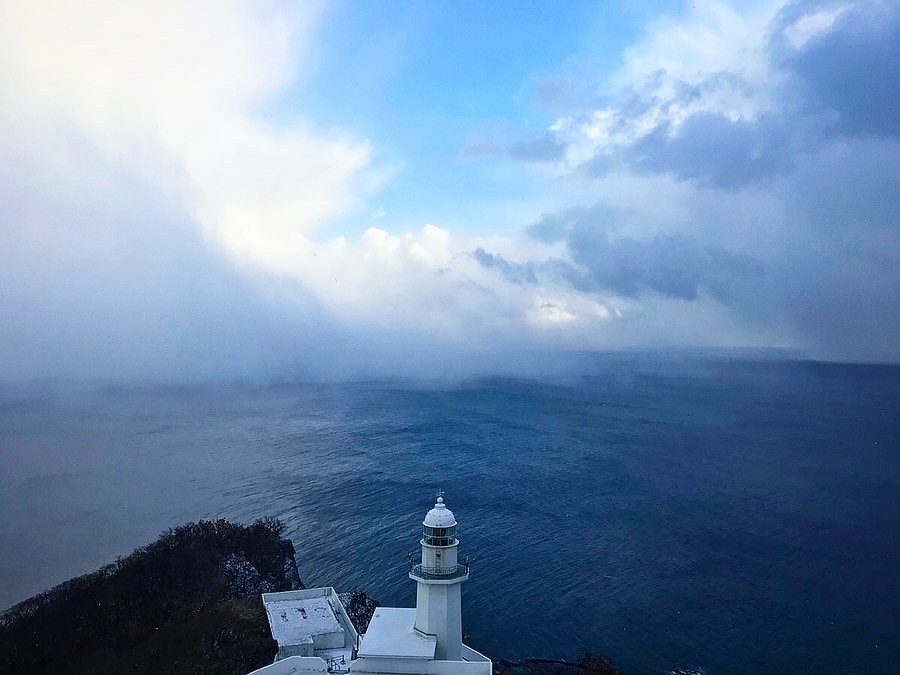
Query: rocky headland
(187, 603)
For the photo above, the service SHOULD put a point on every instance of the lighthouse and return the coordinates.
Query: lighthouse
(439, 579)
(315, 635)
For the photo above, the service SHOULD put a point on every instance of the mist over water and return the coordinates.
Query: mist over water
(739, 516)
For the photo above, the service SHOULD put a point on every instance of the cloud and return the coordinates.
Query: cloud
(716, 151)
(514, 272)
(733, 183)
(729, 99)
(757, 152)
(104, 277)
(542, 149)
(673, 265)
(479, 149)
(836, 280)
(174, 89)
(168, 98)
(848, 64)
(154, 224)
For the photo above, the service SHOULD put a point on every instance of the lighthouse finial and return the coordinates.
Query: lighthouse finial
(440, 496)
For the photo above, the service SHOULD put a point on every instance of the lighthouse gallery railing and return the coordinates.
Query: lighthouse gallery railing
(416, 567)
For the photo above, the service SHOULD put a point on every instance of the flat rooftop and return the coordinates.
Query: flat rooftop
(295, 620)
(392, 633)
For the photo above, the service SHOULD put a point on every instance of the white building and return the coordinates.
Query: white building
(311, 623)
(426, 640)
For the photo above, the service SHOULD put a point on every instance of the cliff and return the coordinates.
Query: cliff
(188, 602)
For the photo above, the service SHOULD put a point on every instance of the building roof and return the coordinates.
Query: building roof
(439, 516)
(392, 633)
(295, 619)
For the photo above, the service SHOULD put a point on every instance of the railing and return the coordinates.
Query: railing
(335, 666)
(461, 569)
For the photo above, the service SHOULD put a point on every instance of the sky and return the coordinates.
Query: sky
(351, 189)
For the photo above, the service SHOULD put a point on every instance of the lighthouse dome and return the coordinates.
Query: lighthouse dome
(439, 516)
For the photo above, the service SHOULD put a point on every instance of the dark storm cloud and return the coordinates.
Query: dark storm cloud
(672, 265)
(844, 82)
(814, 235)
(515, 272)
(852, 68)
(836, 281)
(713, 150)
(822, 269)
(675, 266)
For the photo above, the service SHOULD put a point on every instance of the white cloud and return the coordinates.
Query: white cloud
(566, 309)
(171, 91)
(808, 26)
(711, 37)
(713, 59)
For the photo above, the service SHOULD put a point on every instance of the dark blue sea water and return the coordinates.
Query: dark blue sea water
(740, 517)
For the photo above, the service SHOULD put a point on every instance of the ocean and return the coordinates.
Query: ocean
(734, 516)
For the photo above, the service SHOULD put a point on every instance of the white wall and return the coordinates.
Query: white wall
(330, 640)
(293, 666)
(439, 613)
(388, 666)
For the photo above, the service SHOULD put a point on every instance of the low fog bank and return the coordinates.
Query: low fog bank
(414, 368)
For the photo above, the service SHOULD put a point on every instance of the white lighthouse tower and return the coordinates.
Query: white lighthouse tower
(439, 578)
(315, 635)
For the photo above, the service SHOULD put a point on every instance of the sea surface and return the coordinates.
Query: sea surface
(734, 516)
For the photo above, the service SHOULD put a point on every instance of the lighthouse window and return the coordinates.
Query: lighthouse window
(440, 536)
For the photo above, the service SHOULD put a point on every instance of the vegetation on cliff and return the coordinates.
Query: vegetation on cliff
(187, 603)
(360, 608)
